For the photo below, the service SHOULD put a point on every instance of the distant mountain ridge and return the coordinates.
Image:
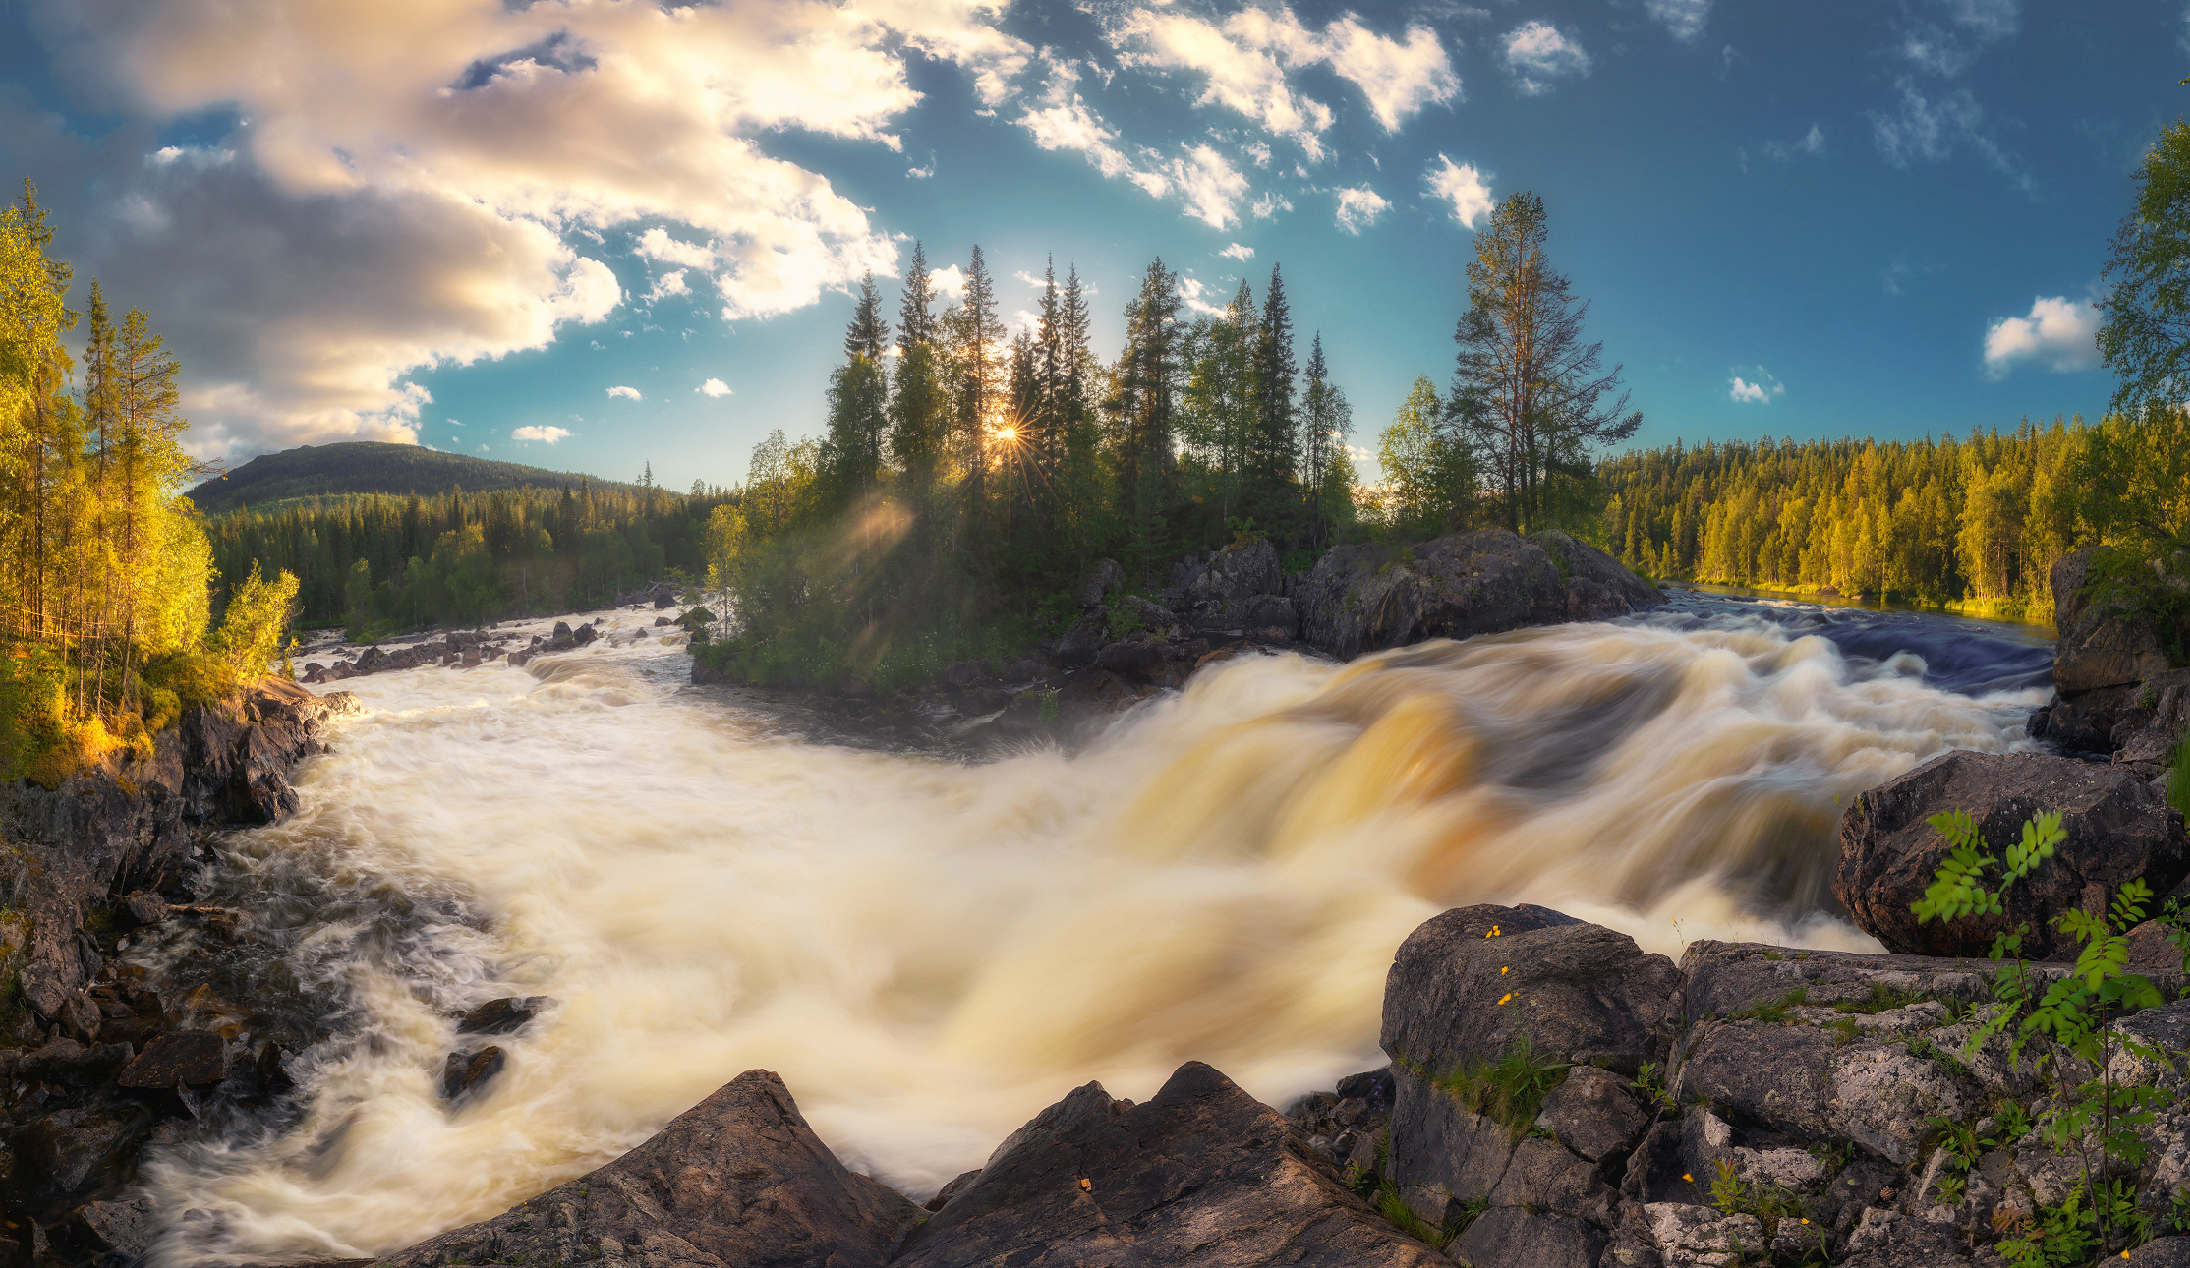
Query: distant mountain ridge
(371, 466)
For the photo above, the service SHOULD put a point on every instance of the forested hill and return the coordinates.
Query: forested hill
(367, 466)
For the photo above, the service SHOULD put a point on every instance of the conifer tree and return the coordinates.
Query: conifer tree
(869, 334)
(1276, 446)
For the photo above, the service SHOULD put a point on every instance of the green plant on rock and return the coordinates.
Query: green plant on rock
(1650, 1081)
(1770, 1203)
(1509, 1088)
(2056, 1235)
(2097, 1117)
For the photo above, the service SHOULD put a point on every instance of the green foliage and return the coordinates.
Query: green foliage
(1774, 1010)
(2093, 1116)
(1881, 999)
(1770, 1203)
(1509, 1088)
(1650, 1082)
(2055, 1236)
(252, 629)
(2145, 338)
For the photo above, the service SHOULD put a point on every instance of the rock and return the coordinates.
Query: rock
(585, 635)
(1201, 1174)
(63, 1060)
(739, 1179)
(1139, 657)
(967, 673)
(503, 1016)
(188, 1058)
(1098, 581)
(1699, 1235)
(661, 621)
(466, 1071)
(1595, 1114)
(1889, 1239)
(1509, 1237)
(947, 1192)
(122, 1227)
(1373, 1088)
(1084, 640)
(2164, 1252)
(1237, 588)
(69, 1149)
(1578, 992)
(1598, 586)
(2119, 828)
(2101, 644)
(1363, 598)
(145, 907)
(980, 702)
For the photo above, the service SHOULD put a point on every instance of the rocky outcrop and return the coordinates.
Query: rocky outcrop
(1364, 598)
(1201, 1174)
(2118, 691)
(2119, 829)
(738, 1179)
(1238, 591)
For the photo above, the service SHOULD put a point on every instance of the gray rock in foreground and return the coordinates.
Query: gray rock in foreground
(2119, 828)
(1202, 1174)
(737, 1180)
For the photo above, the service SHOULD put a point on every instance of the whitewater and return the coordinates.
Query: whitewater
(931, 951)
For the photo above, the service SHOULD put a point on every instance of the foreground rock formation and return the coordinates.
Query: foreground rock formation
(94, 1061)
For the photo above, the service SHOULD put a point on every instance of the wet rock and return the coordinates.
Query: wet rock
(67, 1150)
(1470, 982)
(122, 1227)
(503, 1016)
(1084, 640)
(1363, 598)
(1201, 1174)
(967, 673)
(661, 621)
(585, 635)
(464, 1072)
(739, 1179)
(1373, 1088)
(1138, 658)
(63, 1060)
(2119, 828)
(145, 907)
(188, 1058)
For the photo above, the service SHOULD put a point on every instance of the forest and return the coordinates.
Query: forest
(105, 573)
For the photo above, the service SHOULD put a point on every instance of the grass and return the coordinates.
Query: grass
(1510, 1088)
(1882, 999)
(1773, 1010)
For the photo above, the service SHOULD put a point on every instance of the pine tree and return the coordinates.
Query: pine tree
(869, 334)
(1275, 456)
(916, 304)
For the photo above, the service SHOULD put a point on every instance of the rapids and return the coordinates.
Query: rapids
(930, 952)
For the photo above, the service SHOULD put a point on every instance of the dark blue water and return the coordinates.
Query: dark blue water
(1961, 654)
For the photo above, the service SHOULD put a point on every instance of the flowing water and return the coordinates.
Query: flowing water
(930, 952)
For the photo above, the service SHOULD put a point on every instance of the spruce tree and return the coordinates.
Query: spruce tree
(1275, 455)
(869, 334)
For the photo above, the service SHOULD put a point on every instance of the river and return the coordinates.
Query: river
(930, 952)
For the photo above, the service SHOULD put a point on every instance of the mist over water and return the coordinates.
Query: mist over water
(931, 952)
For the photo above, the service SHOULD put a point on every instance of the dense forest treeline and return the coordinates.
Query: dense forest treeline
(105, 573)
(378, 563)
(370, 466)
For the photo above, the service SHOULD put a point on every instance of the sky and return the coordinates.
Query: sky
(599, 234)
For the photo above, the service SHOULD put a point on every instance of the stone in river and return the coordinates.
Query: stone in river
(502, 1016)
(739, 1179)
(193, 1058)
(467, 1070)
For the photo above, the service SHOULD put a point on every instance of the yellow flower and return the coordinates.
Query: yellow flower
(1505, 969)
(1805, 1221)
(1502, 1003)
(1493, 932)
(1689, 1178)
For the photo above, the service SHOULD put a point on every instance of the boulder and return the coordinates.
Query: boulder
(2101, 644)
(465, 1072)
(739, 1179)
(187, 1058)
(2119, 828)
(1467, 984)
(1234, 574)
(1201, 1174)
(1098, 581)
(1363, 598)
(503, 1016)
(1598, 587)
(1084, 640)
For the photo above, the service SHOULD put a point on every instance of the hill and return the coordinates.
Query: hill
(368, 466)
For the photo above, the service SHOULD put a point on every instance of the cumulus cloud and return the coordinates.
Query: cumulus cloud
(1683, 19)
(1197, 297)
(668, 284)
(630, 393)
(1269, 205)
(713, 387)
(1462, 187)
(1237, 252)
(1358, 208)
(948, 282)
(546, 435)
(1760, 392)
(1812, 144)
(1536, 54)
(2059, 334)
(465, 164)
(1245, 61)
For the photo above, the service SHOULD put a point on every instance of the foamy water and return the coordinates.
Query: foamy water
(930, 953)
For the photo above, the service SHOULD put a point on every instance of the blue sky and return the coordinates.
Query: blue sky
(465, 223)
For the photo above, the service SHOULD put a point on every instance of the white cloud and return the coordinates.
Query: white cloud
(415, 185)
(1237, 252)
(1462, 186)
(713, 387)
(631, 393)
(1536, 54)
(1682, 18)
(2059, 334)
(1245, 62)
(949, 283)
(1210, 186)
(547, 435)
(1930, 128)
(1269, 205)
(1358, 208)
(668, 284)
(1760, 392)
(920, 173)
(1812, 144)
(1192, 293)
